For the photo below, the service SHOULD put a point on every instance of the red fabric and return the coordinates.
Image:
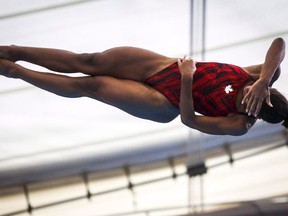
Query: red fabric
(215, 86)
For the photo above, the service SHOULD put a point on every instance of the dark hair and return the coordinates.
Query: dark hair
(279, 111)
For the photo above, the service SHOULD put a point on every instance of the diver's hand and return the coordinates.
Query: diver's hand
(187, 66)
(254, 97)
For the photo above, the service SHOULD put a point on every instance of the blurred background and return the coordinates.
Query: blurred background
(62, 156)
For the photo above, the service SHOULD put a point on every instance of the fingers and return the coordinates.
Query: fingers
(253, 99)
(187, 59)
(245, 98)
(186, 65)
(268, 101)
(254, 105)
(180, 61)
(258, 107)
(250, 108)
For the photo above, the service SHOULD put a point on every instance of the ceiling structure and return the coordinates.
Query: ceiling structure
(43, 136)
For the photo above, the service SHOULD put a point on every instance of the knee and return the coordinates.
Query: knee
(9, 53)
(85, 58)
(91, 63)
(91, 86)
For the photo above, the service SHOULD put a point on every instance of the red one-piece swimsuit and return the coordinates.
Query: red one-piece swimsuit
(215, 86)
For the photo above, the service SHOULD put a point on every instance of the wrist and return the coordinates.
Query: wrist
(187, 76)
(263, 82)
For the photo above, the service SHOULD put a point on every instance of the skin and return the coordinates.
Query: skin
(249, 98)
(116, 77)
(259, 91)
(233, 124)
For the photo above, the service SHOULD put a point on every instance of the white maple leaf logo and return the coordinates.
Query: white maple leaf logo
(228, 89)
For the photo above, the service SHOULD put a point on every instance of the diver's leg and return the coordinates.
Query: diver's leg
(121, 62)
(130, 96)
(53, 59)
(58, 84)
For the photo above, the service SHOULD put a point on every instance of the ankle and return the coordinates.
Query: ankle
(9, 53)
(8, 69)
(12, 53)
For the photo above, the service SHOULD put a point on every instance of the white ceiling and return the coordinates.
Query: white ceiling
(39, 130)
(37, 121)
(34, 121)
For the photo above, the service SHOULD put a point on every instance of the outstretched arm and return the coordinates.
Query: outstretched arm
(254, 71)
(233, 124)
(259, 91)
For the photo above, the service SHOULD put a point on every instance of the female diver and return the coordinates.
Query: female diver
(159, 88)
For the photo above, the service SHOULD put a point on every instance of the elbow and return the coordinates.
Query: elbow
(238, 132)
(280, 42)
(241, 132)
(245, 127)
(187, 122)
(280, 39)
